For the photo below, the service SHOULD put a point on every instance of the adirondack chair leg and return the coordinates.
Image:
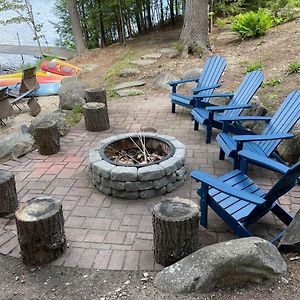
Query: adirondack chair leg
(196, 125)
(203, 192)
(208, 133)
(221, 155)
(244, 165)
(277, 237)
(282, 214)
(173, 108)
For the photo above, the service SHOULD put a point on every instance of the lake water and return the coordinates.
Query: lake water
(44, 14)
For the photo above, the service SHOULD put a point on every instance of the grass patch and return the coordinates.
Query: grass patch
(255, 65)
(74, 116)
(294, 67)
(272, 82)
(178, 45)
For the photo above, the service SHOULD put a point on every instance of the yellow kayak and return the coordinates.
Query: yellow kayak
(64, 63)
(38, 73)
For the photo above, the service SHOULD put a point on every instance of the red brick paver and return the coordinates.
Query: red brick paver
(109, 233)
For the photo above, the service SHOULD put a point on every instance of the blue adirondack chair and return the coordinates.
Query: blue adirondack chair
(240, 202)
(210, 116)
(265, 144)
(206, 83)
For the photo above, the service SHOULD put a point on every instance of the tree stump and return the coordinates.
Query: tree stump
(96, 95)
(175, 226)
(95, 116)
(47, 138)
(34, 106)
(8, 193)
(41, 234)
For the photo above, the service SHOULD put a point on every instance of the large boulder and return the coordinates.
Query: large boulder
(290, 242)
(161, 81)
(58, 116)
(129, 72)
(289, 150)
(15, 145)
(242, 260)
(71, 93)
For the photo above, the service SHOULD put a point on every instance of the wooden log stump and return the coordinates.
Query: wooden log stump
(47, 138)
(41, 234)
(96, 95)
(8, 193)
(175, 227)
(95, 116)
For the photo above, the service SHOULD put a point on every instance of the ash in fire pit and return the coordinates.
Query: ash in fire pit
(138, 165)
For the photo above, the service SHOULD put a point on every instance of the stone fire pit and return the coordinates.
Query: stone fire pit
(138, 180)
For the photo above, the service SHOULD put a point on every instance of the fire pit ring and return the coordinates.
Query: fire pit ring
(134, 181)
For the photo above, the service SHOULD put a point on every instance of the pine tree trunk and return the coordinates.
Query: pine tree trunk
(95, 116)
(8, 193)
(41, 234)
(194, 32)
(175, 226)
(76, 27)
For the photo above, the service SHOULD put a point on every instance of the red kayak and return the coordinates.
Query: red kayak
(56, 68)
(40, 79)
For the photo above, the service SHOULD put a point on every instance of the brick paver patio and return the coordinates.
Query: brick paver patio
(116, 234)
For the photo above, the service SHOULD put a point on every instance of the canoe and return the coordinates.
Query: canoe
(38, 73)
(40, 79)
(45, 89)
(64, 63)
(57, 68)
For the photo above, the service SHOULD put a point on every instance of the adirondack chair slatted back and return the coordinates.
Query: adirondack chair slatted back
(212, 72)
(284, 184)
(285, 118)
(29, 81)
(246, 90)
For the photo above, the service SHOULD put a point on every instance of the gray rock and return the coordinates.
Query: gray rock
(88, 68)
(138, 186)
(129, 92)
(71, 93)
(58, 116)
(150, 173)
(227, 263)
(94, 156)
(129, 72)
(103, 168)
(152, 193)
(104, 189)
(121, 173)
(289, 150)
(170, 52)
(290, 242)
(143, 62)
(14, 145)
(125, 195)
(192, 73)
(161, 81)
(152, 56)
(171, 165)
(117, 185)
(181, 173)
(171, 187)
(129, 84)
(180, 153)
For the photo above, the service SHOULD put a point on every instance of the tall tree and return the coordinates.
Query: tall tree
(76, 27)
(194, 33)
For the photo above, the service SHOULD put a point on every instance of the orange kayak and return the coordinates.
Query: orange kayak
(40, 79)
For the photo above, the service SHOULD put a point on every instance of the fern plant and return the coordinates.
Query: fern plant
(252, 24)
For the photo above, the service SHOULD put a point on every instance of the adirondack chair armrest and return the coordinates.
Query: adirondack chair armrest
(263, 161)
(214, 95)
(252, 138)
(205, 88)
(214, 182)
(245, 118)
(176, 82)
(182, 96)
(228, 107)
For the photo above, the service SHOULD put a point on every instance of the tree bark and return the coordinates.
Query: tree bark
(8, 194)
(175, 226)
(194, 32)
(96, 95)
(95, 116)
(41, 234)
(47, 138)
(76, 27)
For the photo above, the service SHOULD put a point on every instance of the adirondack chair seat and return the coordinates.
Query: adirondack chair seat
(265, 145)
(206, 83)
(239, 201)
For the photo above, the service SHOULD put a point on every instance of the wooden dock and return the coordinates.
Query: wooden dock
(35, 51)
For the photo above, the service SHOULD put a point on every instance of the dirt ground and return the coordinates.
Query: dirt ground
(276, 50)
(19, 282)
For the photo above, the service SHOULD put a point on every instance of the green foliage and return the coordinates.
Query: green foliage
(196, 50)
(294, 67)
(252, 24)
(74, 116)
(221, 22)
(272, 82)
(178, 45)
(255, 65)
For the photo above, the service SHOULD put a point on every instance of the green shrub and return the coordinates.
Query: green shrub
(179, 46)
(294, 67)
(255, 65)
(221, 22)
(252, 24)
(272, 82)
(74, 116)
